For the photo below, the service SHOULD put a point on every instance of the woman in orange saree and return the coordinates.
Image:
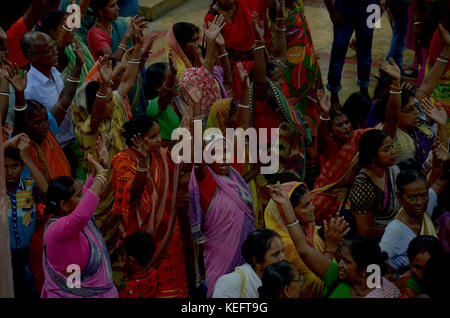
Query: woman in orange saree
(145, 181)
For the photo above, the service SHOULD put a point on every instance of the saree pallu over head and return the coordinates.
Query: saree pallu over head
(96, 278)
(336, 176)
(312, 285)
(206, 82)
(49, 158)
(224, 227)
(219, 115)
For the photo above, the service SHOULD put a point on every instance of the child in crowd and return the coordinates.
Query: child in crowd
(22, 195)
(140, 281)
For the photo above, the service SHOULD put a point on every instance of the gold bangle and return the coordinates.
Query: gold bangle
(417, 23)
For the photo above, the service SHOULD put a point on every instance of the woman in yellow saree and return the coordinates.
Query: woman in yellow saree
(301, 200)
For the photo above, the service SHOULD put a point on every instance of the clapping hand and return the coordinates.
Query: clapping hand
(194, 93)
(435, 112)
(105, 68)
(324, 102)
(259, 27)
(12, 74)
(214, 28)
(390, 68)
(243, 76)
(102, 152)
(334, 231)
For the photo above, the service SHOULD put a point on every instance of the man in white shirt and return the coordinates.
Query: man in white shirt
(44, 81)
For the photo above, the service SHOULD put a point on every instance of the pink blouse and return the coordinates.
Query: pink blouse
(64, 241)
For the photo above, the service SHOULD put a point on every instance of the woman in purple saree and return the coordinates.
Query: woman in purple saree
(221, 213)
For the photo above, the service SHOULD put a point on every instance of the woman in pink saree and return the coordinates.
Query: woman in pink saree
(221, 214)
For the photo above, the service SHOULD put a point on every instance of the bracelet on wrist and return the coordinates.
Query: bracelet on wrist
(279, 62)
(325, 119)
(20, 108)
(442, 60)
(101, 96)
(122, 47)
(134, 62)
(223, 55)
(244, 106)
(102, 181)
(280, 29)
(5, 93)
(395, 92)
(259, 48)
(292, 224)
(73, 80)
(67, 28)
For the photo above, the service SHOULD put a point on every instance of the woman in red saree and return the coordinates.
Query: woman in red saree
(338, 148)
(145, 182)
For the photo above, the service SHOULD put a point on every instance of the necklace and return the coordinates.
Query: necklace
(102, 27)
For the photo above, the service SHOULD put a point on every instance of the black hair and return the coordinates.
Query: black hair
(257, 244)
(139, 123)
(154, 77)
(379, 108)
(298, 194)
(366, 251)
(13, 154)
(333, 115)
(26, 43)
(422, 244)
(276, 276)
(356, 107)
(51, 21)
(369, 144)
(406, 177)
(436, 277)
(59, 189)
(96, 5)
(91, 91)
(141, 246)
(20, 118)
(184, 32)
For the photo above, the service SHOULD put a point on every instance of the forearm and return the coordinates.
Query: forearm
(416, 11)
(279, 41)
(4, 99)
(315, 261)
(259, 76)
(167, 92)
(393, 109)
(210, 59)
(329, 5)
(432, 78)
(66, 96)
(226, 65)
(129, 76)
(441, 132)
(122, 48)
(84, 6)
(98, 110)
(40, 180)
(244, 112)
(33, 14)
(138, 185)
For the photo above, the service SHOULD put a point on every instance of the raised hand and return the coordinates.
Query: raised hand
(324, 102)
(140, 22)
(243, 75)
(172, 62)
(147, 49)
(79, 53)
(140, 145)
(194, 93)
(278, 195)
(259, 27)
(440, 152)
(23, 143)
(445, 35)
(335, 231)
(214, 28)
(94, 164)
(105, 68)
(409, 86)
(12, 74)
(280, 8)
(102, 151)
(435, 112)
(220, 41)
(390, 68)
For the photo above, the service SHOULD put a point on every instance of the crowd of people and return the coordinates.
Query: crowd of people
(91, 181)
